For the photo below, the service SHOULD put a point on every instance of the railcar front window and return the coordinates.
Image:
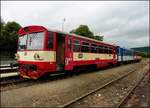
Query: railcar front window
(22, 42)
(35, 41)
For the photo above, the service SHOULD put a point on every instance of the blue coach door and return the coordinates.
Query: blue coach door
(68, 53)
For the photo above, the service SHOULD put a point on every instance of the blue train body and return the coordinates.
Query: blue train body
(125, 55)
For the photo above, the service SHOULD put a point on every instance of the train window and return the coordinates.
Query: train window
(105, 49)
(85, 47)
(22, 42)
(76, 46)
(109, 50)
(93, 48)
(100, 49)
(69, 44)
(50, 40)
(35, 41)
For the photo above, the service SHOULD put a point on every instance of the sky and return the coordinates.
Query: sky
(124, 23)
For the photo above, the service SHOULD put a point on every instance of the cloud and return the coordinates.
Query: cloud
(124, 23)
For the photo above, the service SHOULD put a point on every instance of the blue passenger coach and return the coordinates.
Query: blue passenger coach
(125, 55)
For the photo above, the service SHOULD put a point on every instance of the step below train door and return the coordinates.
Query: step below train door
(68, 53)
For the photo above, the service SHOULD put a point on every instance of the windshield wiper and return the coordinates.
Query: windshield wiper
(22, 46)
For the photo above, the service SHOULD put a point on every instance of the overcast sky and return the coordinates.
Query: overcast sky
(123, 23)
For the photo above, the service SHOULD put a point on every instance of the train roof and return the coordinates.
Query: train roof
(80, 36)
(127, 49)
(37, 27)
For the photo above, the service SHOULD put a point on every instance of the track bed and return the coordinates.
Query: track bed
(58, 92)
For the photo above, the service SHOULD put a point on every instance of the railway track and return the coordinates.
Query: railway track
(12, 80)
(129, 93)
(8, 68)
(68, 104)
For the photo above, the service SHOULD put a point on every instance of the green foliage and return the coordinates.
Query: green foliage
(84, 30)
(100, 38)
(144, 51)
(2, 27)
(8, 39)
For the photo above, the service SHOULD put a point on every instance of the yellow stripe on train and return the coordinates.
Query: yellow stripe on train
(89, 56)
(44, 56)
(50, 56)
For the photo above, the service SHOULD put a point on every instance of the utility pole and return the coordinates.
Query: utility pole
(63, 24)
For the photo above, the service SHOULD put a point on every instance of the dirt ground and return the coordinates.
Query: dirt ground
(55, 93)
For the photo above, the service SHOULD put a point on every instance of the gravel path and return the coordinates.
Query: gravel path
(60, 91)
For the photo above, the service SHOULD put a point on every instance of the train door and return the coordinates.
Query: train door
(60, 51)
(68, 53)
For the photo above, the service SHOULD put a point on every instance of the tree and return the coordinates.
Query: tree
(9, 36)
(84, 30)
(100, 38)
(2, 26)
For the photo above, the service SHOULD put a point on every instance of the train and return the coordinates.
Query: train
(44, 51)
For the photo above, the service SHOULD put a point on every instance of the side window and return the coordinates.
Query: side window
(85, 47)
(76, 46)
(100, 50)
(50, 40)
(69, 44)
(93, 48)
(105, 49)
(110, 50)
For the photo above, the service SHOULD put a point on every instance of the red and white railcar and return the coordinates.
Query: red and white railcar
(42, 51)
(137, 56)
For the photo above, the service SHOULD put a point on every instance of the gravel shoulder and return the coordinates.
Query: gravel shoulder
(55, 93)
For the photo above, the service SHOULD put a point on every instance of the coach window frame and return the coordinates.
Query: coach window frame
(94, 48)
(100, 49)
(76, 44)
(85, 47)
(69, 44)
(109, 50)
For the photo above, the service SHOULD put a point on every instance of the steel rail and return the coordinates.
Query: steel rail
(4, 65)
(130, 91)
(8, 68)
(10, 74)
(11, 81)
(8, 65)
(93, 91)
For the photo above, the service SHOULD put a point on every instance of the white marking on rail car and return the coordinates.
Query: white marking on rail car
(4, 65)
(5, 75)
(126, 58)
(119, 58)
(8, 68)
(56, 74)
